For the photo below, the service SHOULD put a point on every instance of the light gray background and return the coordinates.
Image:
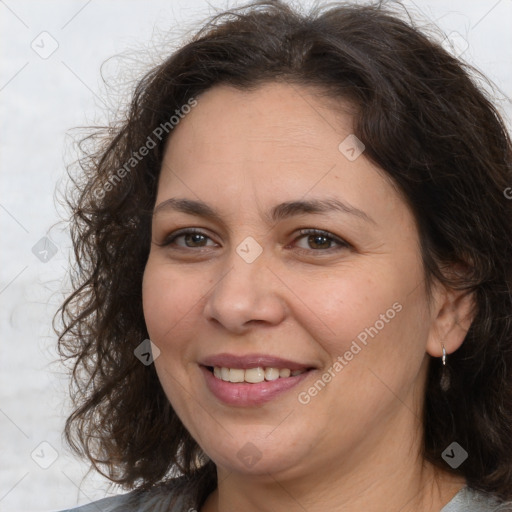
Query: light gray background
(41, 99)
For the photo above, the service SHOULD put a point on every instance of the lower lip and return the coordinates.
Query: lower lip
(244, 394)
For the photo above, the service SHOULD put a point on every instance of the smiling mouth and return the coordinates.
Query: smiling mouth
(253, 375)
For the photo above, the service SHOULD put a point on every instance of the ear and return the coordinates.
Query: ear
(452, 315)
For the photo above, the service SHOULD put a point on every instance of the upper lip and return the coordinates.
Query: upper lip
(252, 361)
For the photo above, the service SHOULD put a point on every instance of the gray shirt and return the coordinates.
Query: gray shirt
(160, 500)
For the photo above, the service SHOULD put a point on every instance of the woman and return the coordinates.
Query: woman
(307, 216)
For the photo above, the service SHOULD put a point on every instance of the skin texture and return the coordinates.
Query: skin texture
(357, 444)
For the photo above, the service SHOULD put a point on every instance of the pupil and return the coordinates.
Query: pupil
(194, 238)
(319, 240)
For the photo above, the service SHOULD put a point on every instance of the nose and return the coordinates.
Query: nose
(246, 294)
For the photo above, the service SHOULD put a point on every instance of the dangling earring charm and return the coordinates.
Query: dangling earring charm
(445, 378)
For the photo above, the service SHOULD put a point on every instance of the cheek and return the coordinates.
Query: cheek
(169, 302)
(338, 307)
(368, 316)
(169, 298)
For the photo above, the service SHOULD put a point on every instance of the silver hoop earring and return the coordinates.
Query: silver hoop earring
(444, 355)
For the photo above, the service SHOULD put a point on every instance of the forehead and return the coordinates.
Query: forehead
(277, 142)
(285, 130)
(277, 116)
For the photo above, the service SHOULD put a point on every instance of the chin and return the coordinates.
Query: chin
(256, 458)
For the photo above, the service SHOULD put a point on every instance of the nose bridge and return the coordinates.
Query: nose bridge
(245, 291)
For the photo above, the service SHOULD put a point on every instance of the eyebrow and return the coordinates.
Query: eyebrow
(277, 213)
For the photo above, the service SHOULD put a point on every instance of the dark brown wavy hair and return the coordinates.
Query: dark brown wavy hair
(424, 119)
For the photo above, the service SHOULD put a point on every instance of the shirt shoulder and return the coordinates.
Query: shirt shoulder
(166, 497)
(471, 500)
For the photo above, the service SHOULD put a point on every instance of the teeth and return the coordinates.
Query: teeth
(271, 373)
(236, 375)
(254, 375)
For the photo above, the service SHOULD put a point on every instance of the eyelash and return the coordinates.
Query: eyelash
(342, 244)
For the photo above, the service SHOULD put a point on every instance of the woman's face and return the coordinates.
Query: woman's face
(254, 286)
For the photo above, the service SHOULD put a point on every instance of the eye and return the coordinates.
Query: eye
(191, 238)
(314, 240)
(317, 240)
